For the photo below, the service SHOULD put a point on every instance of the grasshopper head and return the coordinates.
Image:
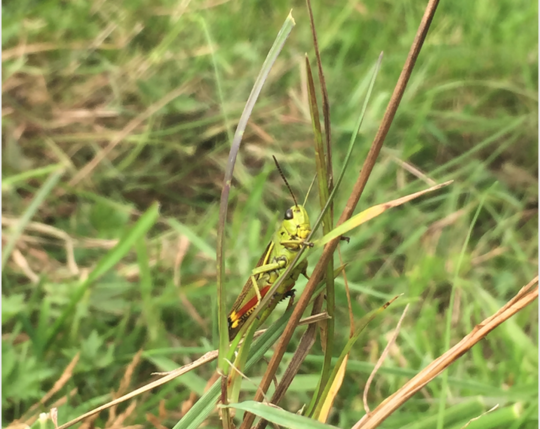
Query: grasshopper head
(296, 223)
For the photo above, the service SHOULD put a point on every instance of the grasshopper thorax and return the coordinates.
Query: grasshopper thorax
(295, 227)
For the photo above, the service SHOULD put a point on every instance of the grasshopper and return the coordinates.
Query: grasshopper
(280, 252)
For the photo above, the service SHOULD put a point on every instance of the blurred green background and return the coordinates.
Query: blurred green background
(137, 101)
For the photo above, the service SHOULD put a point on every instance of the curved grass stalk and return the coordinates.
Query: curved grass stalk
(224, 203)
(227, 181)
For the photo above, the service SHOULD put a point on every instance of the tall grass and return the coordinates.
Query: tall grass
(93, 81)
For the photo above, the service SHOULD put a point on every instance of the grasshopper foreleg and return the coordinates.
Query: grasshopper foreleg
(281, 262)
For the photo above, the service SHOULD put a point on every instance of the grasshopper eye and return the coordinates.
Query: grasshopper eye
(288, 214)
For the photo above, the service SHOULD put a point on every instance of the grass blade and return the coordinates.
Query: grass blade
(150, 313)
(227, 182)
(450, 312)
(323, 174)
(360, 326)
(213, 55)
(325, 103)
(8, 182)
(193, 237)
(351, 143)
(31, 210)
(373, 212)
(279, 416)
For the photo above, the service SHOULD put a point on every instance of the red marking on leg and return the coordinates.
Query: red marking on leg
(252, 303)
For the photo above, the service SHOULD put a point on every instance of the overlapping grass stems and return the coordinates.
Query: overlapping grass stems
(44, 337)
(323, 264)
(323, 160)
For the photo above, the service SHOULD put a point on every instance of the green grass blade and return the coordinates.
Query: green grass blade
(450, 312)
(500, 418)
(8, 182)
(31, 210)
(143, 225)
(320, 156)
(201, 409)
(372, 213)
(235, 379)
(213, 54)
(323, 174)
(358, 124)
(150, 313)
(280, 416)
(360, 326)
(197, 241)
(324, 93)
(351, 143)
(227, 181)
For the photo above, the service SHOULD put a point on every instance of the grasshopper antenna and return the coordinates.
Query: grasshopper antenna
(285, 180)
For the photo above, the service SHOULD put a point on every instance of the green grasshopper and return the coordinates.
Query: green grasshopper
(280, 252)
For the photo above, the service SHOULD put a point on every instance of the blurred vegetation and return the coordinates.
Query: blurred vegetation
(138, 91)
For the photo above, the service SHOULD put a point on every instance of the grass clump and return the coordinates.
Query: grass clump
(138, 87)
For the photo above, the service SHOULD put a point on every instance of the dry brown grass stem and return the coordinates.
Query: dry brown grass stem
(415, 171)
(382, 358)
(36, 48)
(523, 298)
(24, 266)
(53, 232)
(480, 416)
(58, 385)
(208, 357)
(124, 384)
